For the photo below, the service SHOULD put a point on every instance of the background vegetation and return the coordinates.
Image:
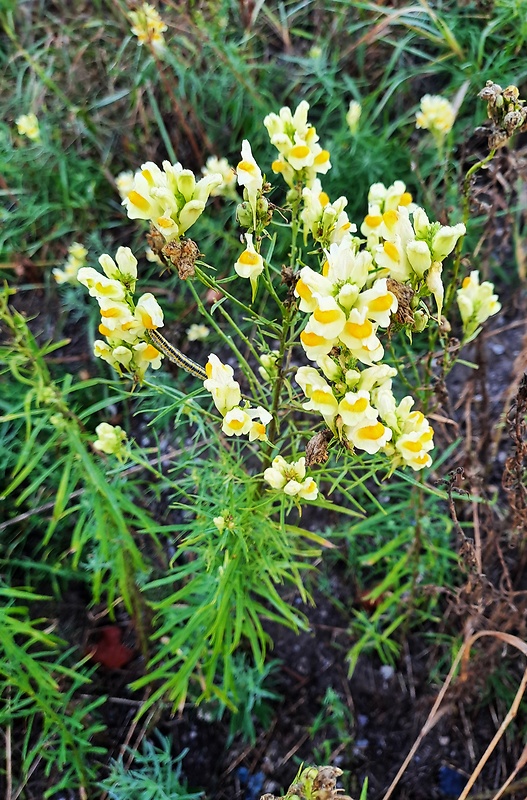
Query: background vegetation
(100, 641)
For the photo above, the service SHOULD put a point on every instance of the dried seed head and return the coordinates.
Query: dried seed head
(183, 254)
(156, 240)
(317, 448)
(404, 295)
(506, 110)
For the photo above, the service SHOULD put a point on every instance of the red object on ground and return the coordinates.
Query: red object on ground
(110, 650)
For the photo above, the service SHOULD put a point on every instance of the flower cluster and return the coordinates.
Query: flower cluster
(124, 323)
(27, 125)
(76, 259)
(220, 166)
(436, 115)
(290, 478)
(226, 393)
(368, 283)
(477, 302)
(410, 250)
(301, 157)
(110, 439)
(170, 198)
(360, 408)
(327, 222)
(148, 26)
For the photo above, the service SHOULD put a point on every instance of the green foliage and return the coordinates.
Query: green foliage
(334, 724)
(39, 680)
(252, 702)
(156, 775)
(227, 584)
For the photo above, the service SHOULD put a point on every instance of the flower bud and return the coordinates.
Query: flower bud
(244, 214)
(446, 239)
(419, 256)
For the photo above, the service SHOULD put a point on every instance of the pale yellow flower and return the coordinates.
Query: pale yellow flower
(76, 259)
(369, 437)
(236, 422)
(197, 333)
(477, 302)
(146, 355)
(353, 116)
(99, 285)
(27, 125)
(220, 166)
(148, 26)
(125, 183)
(436, 115)
(149, 312)
(220, 383)
(250, 264)
(110, 439)
(290, 478)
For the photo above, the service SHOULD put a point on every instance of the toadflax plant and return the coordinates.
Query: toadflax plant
(311, 404)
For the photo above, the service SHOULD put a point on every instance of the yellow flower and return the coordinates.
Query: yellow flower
(146, 355)
(125, 270)
(319, 394)
(250, 264)
(220, 166)
(76, 259)
(353, 116)
(220, 383)
(327, 222)
(148, 26)
(477, 302)
(27, 125)
(260, 419)
(370, 437)
(389, 198)
(417, 436)
(197, 333)
(99, 285)
(290, 478)
(148, 312)
(436, 115)
(236, 422)
(249, 176)
(125, 183)
(359, 335)
(355, 409)
(378, 302)
(110, 439)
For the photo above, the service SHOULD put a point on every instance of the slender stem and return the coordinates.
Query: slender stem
(211, 283)
(228, 340)
(289, 312)
(466, 213)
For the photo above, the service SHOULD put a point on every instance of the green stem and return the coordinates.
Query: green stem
(228, 340)
(466, 213)
(288, 316)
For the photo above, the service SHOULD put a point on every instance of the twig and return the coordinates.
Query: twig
(436, 713)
